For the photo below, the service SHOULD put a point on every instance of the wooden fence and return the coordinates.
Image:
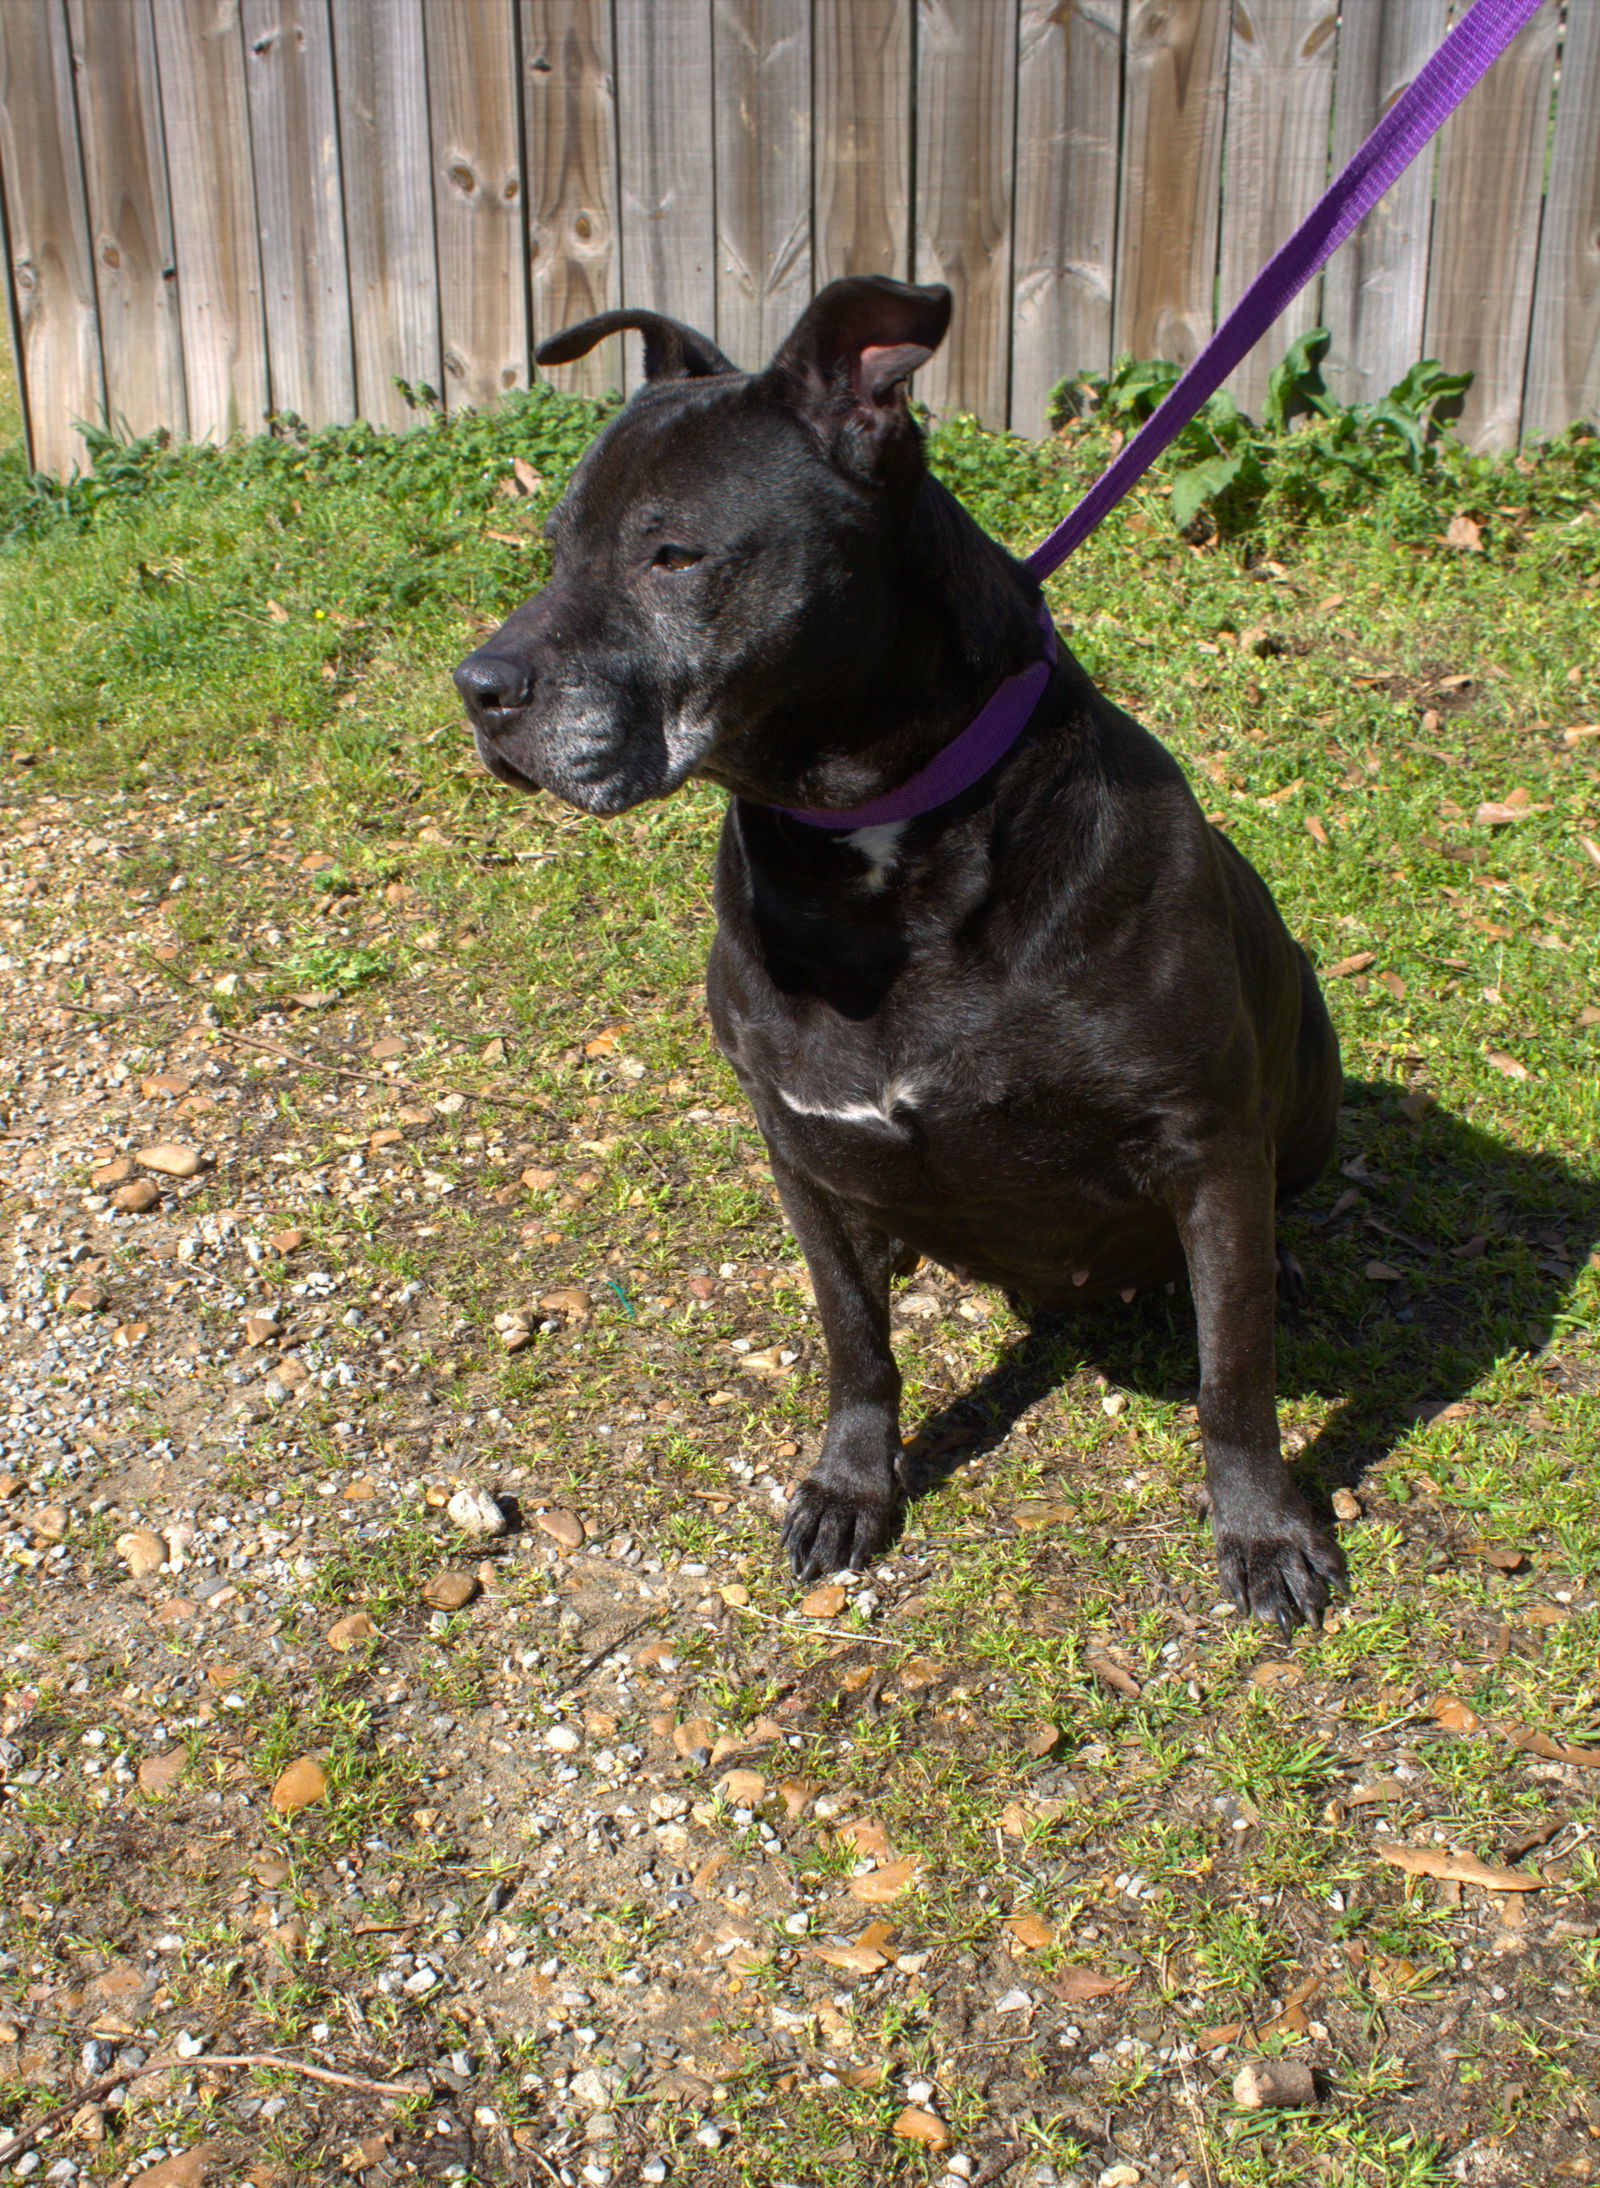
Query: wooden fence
(215, 209)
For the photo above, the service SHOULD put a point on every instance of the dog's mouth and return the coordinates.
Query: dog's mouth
(598, 780)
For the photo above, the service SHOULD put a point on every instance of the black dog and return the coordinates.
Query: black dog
(1051, 1033)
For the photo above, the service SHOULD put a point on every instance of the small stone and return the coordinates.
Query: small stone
(271, 1870)
(824, 1602)
(136, 1198)
(563, 1739)
(1275, 2082)
(165, 1085)
(591, 2090)
(344, 1633)
(49, 1523)
(571, 1302)
(421, 1981)
(563, 1527)
(1346, 1505)
(142, 1551)
(158, 1774)
(1119, 2176)
(171, 1159)
(116, 1172)
(475, 1512)
(450, 1590)
(260, 1329)
(300, 1785)
(287, 1242)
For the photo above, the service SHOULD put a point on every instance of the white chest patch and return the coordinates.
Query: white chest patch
(879, 847)
(897, 1094)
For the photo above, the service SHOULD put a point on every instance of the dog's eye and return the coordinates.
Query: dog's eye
(676, 558)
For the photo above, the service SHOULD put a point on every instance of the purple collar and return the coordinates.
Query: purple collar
(958, 765)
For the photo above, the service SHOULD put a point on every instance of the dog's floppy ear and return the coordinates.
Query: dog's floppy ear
(847, 361)
(672, 351)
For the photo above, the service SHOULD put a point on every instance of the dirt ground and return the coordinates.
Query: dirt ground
(586, 1850)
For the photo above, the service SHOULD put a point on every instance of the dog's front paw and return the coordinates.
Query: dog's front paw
(829, 1530)
(1280, 1567)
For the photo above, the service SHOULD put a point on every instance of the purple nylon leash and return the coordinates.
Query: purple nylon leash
(1465, 57)
(1422, 109)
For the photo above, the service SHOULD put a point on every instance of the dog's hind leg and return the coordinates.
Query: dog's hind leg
(844, 1513)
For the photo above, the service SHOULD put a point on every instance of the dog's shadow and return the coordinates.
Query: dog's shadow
(1432, 1251)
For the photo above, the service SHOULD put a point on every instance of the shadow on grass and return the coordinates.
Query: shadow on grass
(1432, 1251)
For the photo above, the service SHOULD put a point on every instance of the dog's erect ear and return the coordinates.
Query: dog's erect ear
(672, 351)
(847, 362)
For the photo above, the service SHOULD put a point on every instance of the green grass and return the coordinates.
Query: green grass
(262, 635)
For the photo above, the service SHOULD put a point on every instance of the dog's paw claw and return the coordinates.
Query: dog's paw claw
(828, 1531)
(1284, 1574)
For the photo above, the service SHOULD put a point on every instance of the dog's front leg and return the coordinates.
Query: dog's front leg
(1275, 1561)
(843, 1513)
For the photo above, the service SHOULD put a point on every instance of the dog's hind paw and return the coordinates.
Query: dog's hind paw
(828, 1531)
(1284, 1574)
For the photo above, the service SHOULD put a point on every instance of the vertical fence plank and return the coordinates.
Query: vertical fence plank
(1375, 288)
(477, 185)
(861, 129)
(1564, 354)
(380, 70)
(47, 227)
(305, 279)
(205, 121)
(1280, 89)
(570, 118)
(1171, 173)
(664, 154)
(130, 216)
(762, 57)
(1069, 106)
(966, 124)
(1486, 233)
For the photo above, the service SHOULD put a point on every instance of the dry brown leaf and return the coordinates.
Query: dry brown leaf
(1508, 1064)
(158, 1774)
(302, 1783)
(692, 1733)
(1464, 532)
(1433, 1861)
(1348, 965)
(926, 2128)
(1555, 1751)
(1316, 831)
(825, 1602)
(868, 1838)
(1375, 1789)
(1028, 1931)
(879, 1886)
(1076, 1986)
(1380, 1273)
(1212, 2039)
(1456, 1715)
(857, 1959)
(1112, 1675)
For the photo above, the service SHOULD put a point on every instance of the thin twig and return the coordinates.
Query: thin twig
(236, 2059)
(829, 1633)
(368, 1078)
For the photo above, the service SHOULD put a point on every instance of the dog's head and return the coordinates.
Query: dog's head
(725, 544)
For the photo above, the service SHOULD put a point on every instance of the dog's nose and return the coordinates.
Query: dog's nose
(490, 683)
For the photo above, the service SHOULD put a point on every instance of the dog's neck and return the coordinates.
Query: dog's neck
(961, 616)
